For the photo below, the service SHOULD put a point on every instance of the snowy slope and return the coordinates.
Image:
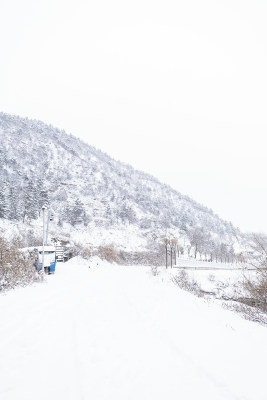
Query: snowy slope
(114, 333)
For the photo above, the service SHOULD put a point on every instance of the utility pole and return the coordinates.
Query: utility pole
(43, 268)
(47, 223)
(50, 216)
(166, 248)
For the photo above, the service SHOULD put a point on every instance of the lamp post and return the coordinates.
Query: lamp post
(43, 209)
(47, 223)
(50, 216)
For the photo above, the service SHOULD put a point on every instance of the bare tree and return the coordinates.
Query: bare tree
(198, 238)
(173, 246)
(169, 242)
(166, 243)
(256, 287)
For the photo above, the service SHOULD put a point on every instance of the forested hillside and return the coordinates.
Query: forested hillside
(91, 192)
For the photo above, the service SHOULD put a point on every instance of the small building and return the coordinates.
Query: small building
(49, 258)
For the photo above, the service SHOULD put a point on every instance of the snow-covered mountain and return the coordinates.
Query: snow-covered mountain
(90, 192)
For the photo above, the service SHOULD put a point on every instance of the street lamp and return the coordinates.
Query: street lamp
(43, 209)
(50, 217)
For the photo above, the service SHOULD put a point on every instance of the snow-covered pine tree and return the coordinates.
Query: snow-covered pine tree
(42, 195)
(14, 202)
(31, 206)
(77, 213)
(3, 203)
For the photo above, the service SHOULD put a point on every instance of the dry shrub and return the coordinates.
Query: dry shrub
(257, 290)
(154, 270)
(108, 253)
(17, 268)
(247, 312)
(141, 258)
(190, 285)
(82, 251)
(211, 278)
(251, 298)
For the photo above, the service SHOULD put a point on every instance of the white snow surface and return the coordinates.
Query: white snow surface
(116, 332)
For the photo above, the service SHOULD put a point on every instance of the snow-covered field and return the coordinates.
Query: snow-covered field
(110, 332)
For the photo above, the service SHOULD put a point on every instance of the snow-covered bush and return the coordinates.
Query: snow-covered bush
(247, 311)
(16, 267)
(184, 282)
(211, 278)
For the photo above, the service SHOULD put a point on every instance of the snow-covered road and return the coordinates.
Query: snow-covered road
(118, 333)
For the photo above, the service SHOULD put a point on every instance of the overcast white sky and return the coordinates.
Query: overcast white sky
(175, 88)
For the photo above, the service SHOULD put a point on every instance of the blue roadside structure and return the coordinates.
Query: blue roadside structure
(49, 259)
